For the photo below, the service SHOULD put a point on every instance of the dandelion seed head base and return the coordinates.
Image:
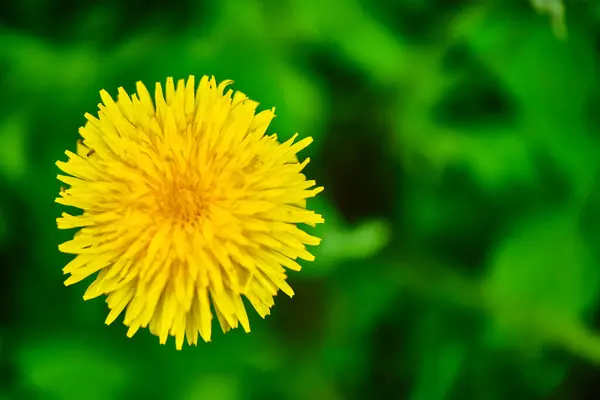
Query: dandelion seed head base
(187, 206)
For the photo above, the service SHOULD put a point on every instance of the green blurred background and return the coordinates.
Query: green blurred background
(458, 142)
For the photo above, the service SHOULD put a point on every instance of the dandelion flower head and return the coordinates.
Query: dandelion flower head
(186, 206)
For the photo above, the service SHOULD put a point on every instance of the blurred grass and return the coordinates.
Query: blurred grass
(458, 145)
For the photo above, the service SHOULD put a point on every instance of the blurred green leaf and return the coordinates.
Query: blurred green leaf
(542, 281)
(14, 139)
(359, 242)
(550, 82)
(42, 71)
(359, 38)
(72, 369)
(555, 9)
(341, 242)
(544, 374)
(543, 263)
(3, 225)
(497, 158)
(214, 387)
(441, 360)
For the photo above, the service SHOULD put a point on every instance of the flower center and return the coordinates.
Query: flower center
(186, 203)
(181, 202)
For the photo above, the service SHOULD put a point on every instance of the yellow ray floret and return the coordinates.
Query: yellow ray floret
(187, 205)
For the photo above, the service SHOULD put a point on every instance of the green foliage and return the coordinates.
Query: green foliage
(440, 363)
(93, 373)
(544, 265)
(555, 9)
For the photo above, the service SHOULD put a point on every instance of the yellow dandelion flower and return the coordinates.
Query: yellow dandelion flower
(186, 206)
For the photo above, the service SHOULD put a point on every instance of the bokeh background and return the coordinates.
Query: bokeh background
(459, 145)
